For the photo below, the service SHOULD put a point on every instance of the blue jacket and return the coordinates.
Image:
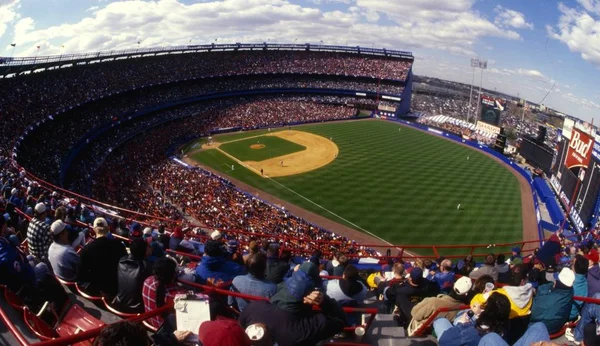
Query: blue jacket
(217, 268)
(593, 281)
(249, 284)
(463, 334)
(15, 270)
(444, 280)
(580, 288)
(552, 307)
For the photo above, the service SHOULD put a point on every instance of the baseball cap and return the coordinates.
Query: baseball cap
(147, 231)
(593, 256)
(100, 222)
(416, 274)
(14, 191)
(567, 277)
(224, 332)
(216, 235)
(232, 246)
(40, 208)
(463, 285)
(256, 332)
(57, 227)
(516, 249)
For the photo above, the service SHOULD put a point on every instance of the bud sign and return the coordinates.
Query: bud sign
(580, 149)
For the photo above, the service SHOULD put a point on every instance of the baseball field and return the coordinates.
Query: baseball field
(397, 183)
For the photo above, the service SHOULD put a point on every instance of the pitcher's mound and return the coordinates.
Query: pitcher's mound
(257, 146)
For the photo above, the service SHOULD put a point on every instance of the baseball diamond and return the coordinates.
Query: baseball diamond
(398, 185)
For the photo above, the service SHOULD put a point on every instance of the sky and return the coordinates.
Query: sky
(533, 47)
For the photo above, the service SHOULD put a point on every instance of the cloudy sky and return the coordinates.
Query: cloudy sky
(531, 45)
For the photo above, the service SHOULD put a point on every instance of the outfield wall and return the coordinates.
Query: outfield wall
(487, 150)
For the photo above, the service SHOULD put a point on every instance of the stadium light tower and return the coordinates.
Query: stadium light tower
(482, 64)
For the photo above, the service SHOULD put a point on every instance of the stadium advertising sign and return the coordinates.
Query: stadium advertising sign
(580, 149)
(568, 127)
(485, 127)
(490, 110)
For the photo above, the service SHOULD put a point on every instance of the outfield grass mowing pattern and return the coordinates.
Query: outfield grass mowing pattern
(274, 147)
(403, 186)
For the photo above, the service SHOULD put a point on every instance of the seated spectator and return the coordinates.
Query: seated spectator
(412, 291)
(590, 314)
(215, 267)
(163, 238)
(457, 297)
(76, 237)
(488, 268)
(289, 316)
(253, 248)
(339, 260)
(136, 231)
(444, 278)
(122, 230)
(549, 251)
(593, 276)
(216, 236)
(465, 267)
(99, 262)
(63, 259)
(160, 288)
(580, 286)
(389, 286)
(232, 253)
(176, 238)
(155, 247)
(253, 283)
(277, 267)
(347, 289)
(503, 269)
(481, 286)
(493, 319)
(516, 256)
(553, 301)
(38, 233)
(132, 272)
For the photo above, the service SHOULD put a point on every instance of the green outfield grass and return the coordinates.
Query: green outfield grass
(401, 185)
(274, 147)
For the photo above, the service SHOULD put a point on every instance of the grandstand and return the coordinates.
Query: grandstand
(90, 136)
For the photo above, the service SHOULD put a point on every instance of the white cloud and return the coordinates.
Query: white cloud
(441, 25)
(511, 18)
(8, 13)
(578, 30)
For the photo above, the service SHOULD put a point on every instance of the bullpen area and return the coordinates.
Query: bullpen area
(397, 183)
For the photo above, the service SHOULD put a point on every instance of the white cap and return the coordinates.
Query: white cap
(216, 235)
(54, 193)
(40, 208)
(57, 227)
(255, 332)
(14, 191)
(147, 231)
(100, 222)
(567, 277)
(463, 285)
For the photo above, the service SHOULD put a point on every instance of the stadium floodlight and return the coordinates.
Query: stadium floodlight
(480, 64)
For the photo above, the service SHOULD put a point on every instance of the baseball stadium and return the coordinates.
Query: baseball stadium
(306, 164)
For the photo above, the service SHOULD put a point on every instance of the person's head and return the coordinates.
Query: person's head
(343, 260)
(122, 223)
(254, 247)
(461, 289)
(123, 334)
(286, 256)
(416, 276)
(59, 232)
(398, 270)
(427, 263)
(138, 249)
(446, 265)
(60, 213)
(222, 333)
(593, 257)
(518, 275)
(164, 270)
(479, 285)
(501, 259)
(566, 278)
(516, 251)
(213, 249)
(580, 265)
(494, 317)
(114, 224)
(257, 265)
(100, 227)
(161, 229)
(216, 235)
(469, 258)
(39, 212)
(490, 259)
(265, 245)
(272, 252)
(350, 273)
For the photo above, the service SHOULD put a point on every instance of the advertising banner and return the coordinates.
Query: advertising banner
(580, 149)
(485, 127)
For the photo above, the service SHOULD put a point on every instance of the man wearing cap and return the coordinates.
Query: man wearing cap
(99, 262)
(63, 259)
(593, 276)
(552, 303)
(458, 296)
(215, 266)
(38, 234)
(289, 316)
(516, 257)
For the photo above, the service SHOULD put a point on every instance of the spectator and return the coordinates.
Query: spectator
(348, 290)
(553, 301)
(465, 267)
(214, 266)
(536, 334)
(132, 271)
(516, 258)
(277, 268)
(253, 248)
(216, 236)
(63, 259)
(580, 286)
(160, 288)
(254, 282)
(232, 252)
(122, 230)
(503, 269)
(335, 262)
(176, 238)
(549, 251)
(222, 333)
(410, 292)
(289, 315)
(590, 314)
(488, 268)
(593, 276)
(38, 234)
(99, 262)
(163, 238)
(136, 231)
(481, 286)
(444, 278)
(155, 247)
(458, 296)
(493, 319)
(387, 288)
